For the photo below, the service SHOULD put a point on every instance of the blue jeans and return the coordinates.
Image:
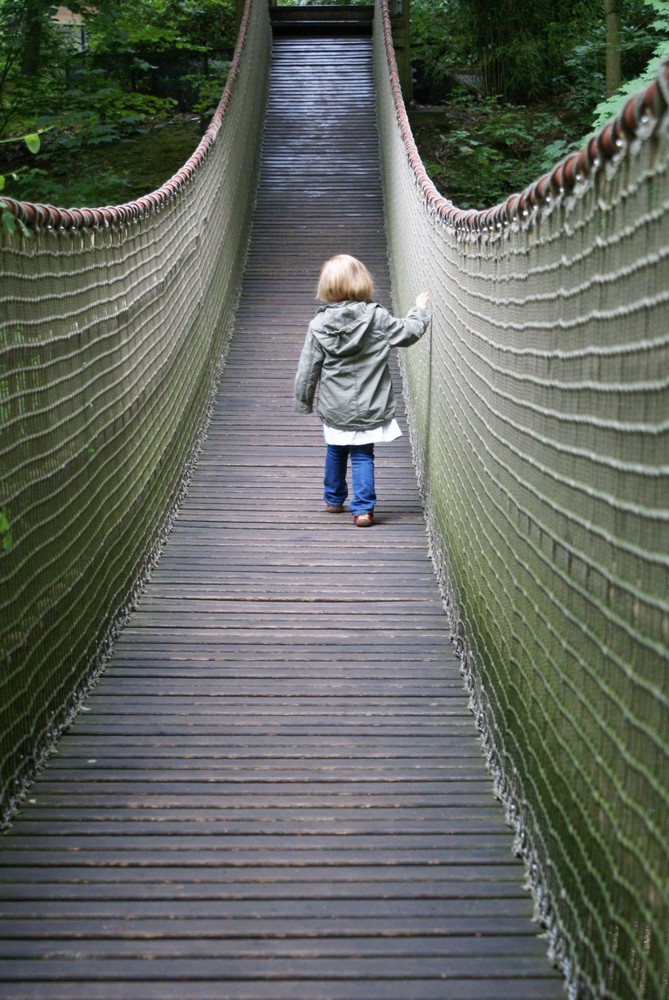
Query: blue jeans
(362, 476)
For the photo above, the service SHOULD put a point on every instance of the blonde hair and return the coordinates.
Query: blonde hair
(345, 278)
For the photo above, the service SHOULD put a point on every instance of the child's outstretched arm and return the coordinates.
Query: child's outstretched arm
(308, 374)
(405, 332)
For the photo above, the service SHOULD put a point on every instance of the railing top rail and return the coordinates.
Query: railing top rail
(640, 116)
(41, 216)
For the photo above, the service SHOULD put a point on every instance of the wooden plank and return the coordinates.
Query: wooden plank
(302, 967)
(332, 909)
(33, 880)
(212, 797)
(244, 747)
(481, 850)
(162, 989)
(277, 790)
(508, 948)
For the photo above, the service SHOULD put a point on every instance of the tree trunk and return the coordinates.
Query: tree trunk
(613, 72)
(32, 48)
(32, 37)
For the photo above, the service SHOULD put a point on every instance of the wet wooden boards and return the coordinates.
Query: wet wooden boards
(277, 792)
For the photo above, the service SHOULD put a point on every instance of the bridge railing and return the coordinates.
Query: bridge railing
(540, 423)
(113, 326)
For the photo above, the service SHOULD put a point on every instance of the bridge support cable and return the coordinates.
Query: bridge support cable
(540, 420)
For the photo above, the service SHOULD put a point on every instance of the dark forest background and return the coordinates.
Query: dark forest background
(100, 105)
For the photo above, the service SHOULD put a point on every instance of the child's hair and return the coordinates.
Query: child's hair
(345, 278)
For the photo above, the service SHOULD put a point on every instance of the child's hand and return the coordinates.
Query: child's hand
(423, 300)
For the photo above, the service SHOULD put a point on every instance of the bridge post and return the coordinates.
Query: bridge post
(399, 19)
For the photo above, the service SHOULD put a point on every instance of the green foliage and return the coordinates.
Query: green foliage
(519, 46)
(653, 42)
(583, 80)
(556, 151)
(326, 3)
(145, 60)
(8, 222)
(642, 39)
(87, 185)
(531, 51)
(153, 26)
(33, 142)
(487, 150)
(100, 111)
(610, 106)
(112, 173)
(551, 58)
(505, 45)
(441, 45)
(206, 90)
(126, 41)
(6, 535)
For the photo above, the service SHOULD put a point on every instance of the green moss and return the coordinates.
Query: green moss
(149, 160)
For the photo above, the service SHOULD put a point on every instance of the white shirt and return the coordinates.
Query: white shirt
(387, 432)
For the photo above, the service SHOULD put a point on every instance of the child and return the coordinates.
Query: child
(346, 355)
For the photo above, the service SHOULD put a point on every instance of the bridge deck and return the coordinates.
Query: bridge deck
(277, 790)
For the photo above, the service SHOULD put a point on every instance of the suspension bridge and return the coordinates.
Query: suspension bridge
(247, 750)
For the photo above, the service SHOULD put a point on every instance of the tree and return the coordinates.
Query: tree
(652, 44)
(540, 48)
(23, 28)
(145, 61)
(32, 37)
(612, 11)
(522, 47)
(42, 78)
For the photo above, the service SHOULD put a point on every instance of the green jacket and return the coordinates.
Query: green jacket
(346, 356)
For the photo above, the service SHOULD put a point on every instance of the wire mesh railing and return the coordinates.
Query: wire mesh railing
(540, 423)
(113, 328)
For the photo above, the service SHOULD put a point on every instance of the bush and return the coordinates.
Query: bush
(486, 150)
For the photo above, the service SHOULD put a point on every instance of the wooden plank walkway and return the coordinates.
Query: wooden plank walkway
(276, 792)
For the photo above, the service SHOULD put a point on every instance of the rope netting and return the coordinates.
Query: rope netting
(540, 423)
(113, 328)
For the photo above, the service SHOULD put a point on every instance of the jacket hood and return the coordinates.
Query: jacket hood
(340, 327)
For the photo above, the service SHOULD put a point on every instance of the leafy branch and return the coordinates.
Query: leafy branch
(6, 535)
(7, 220)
